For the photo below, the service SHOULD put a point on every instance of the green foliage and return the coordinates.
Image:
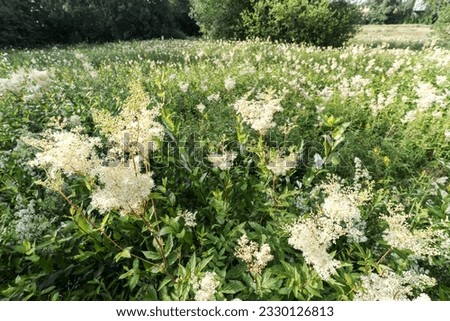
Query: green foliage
(337, 104)
(321, 22)
(220, 19)
(19, 23)
(30, 23)
(389, 12)
(442, 25)
(184, 22)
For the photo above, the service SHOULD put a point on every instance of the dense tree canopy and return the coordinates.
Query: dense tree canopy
(29, 23)
(35, 22)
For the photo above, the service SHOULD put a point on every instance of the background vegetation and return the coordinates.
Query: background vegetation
(29, 23)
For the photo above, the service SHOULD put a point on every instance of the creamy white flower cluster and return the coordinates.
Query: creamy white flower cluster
(223, 161)
(135, 128)
(29, 224)
(389, 286)
(189, 218)
(424, 243)
(123, 189)
(32, 81)
(353, 87)
(427, 96)
(229, 83)
(338, 216)
(383, 101)
(69, 152)
(280, 165)
(124, 185)
(205, 289)
(254, 256)
(258, 113)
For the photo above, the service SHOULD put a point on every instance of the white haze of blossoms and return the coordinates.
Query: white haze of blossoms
(134, 129)
(423, 243)
(184, 86)
(206, 288)
(122, 185)
(29, 224)
(306, 237)
(229, 83)
(390, 286)
(32, 81)
(123, 189)
(258, 113)
(66, 151)
(255, 258)
(338, 216)
(280, 165)
(223, 161)
(201, 108)
(427, 96)
(447, 135)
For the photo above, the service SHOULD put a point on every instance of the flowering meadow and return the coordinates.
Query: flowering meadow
(195, 170)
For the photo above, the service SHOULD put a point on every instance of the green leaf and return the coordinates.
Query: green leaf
(168, 245)
(134, 281)
(166, 230)
(312, 291)
(203, 263)
(164, 282)
(348, 279)
(232, 287)
(126, 254)
(104, 221)
(152, 255)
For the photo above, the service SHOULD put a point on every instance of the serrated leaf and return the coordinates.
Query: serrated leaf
(190, 266)
(312, 291)
(104, 221)
(348, 279)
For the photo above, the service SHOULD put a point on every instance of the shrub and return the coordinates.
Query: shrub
(442, 25)
(219, 19)
(318, 22)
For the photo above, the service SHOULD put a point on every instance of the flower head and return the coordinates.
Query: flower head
(205, 289)
(258, 113)
(223, 161)
(255, 258)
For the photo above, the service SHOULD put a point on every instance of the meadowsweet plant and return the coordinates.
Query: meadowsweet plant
(389, 286)
(29, 81)
(205, 288)
(423, 242)
(255, 257)
(338, 215)
(258, 113)
(198, 170)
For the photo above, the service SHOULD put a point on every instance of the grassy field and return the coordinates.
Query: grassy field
(197, 170)
(404, 35)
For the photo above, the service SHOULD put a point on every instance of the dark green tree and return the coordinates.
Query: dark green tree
(21, 23)
(220, 18)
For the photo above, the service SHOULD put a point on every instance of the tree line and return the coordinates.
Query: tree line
(29, 23)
